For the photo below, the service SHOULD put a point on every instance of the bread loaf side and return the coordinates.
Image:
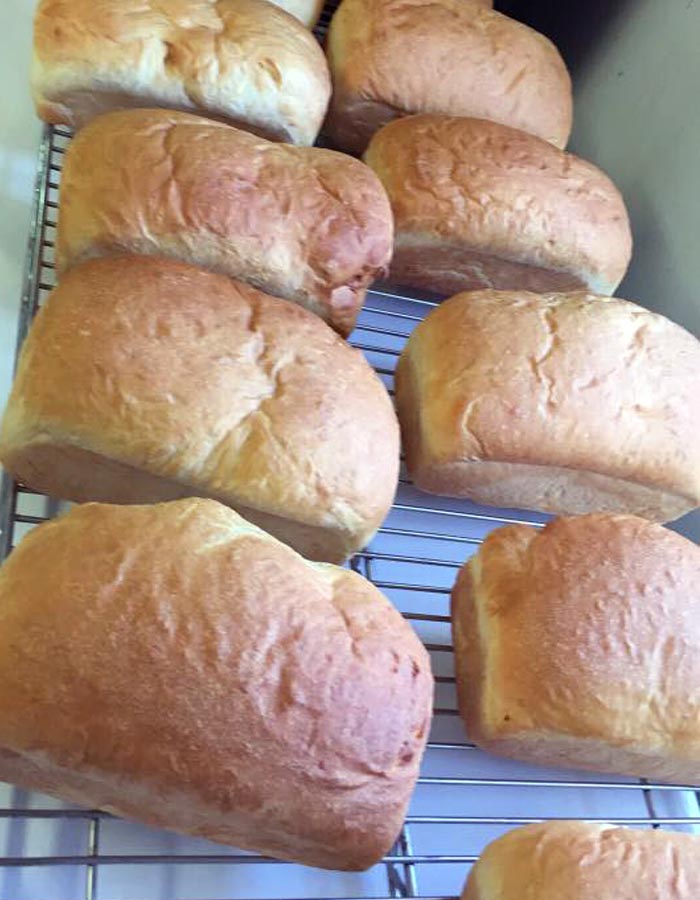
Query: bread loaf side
(175, 665)
(391, 58)
(244, 61)
(566, 403)
(312, 226)
(143, 379)
(579, 646)
(480, 205)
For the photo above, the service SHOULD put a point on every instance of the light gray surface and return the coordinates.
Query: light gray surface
(637, 115)
(19, 140)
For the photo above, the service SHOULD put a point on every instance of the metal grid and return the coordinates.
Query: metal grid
(463, 800)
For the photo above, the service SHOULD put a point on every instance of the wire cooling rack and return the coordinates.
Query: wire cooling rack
(464, 798)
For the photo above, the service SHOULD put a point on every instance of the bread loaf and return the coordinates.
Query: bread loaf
(244, 61)
(566, 403)
(579, 646)
(145, 380)
(391, 58)
(307, 11)
(581, 861)
(480, 205)
(312, 226)
(176, 665)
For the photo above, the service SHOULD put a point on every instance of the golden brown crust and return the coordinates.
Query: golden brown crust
(245, 61)
(174, 664)
(206, 386)
(582, 861)
(309, 225)
(391, 58)
(568, 403)
(579, 645)
(480, 205)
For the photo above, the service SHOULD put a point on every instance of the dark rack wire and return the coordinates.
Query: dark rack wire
(434, 539)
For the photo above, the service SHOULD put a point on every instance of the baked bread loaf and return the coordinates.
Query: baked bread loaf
(144, 379)
(566, 403)
(244, 61)
(307, 11)
(309, 225)
(211, 681)
(581, 861)
(480, 205)
(578, 645)
(391, 58)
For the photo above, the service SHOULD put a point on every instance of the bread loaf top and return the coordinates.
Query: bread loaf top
(308, 224)
(245, 61)
(583, 861)
(499, 191)
(205, 381)
(568, 380)
(390, 58)
(197, 674)
(588, 628)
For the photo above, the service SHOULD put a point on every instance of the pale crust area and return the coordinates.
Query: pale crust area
(245, 61)
(204, 386)
(307, 11)
(174, 664)
(312, 226)
(568, 403)
(442, 267)
(581, 861)
(480, 205)
(391, 58)
(552, 488)
(69, 471)
(579, 646)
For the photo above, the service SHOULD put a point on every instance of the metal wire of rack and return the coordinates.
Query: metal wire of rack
(463, 799)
